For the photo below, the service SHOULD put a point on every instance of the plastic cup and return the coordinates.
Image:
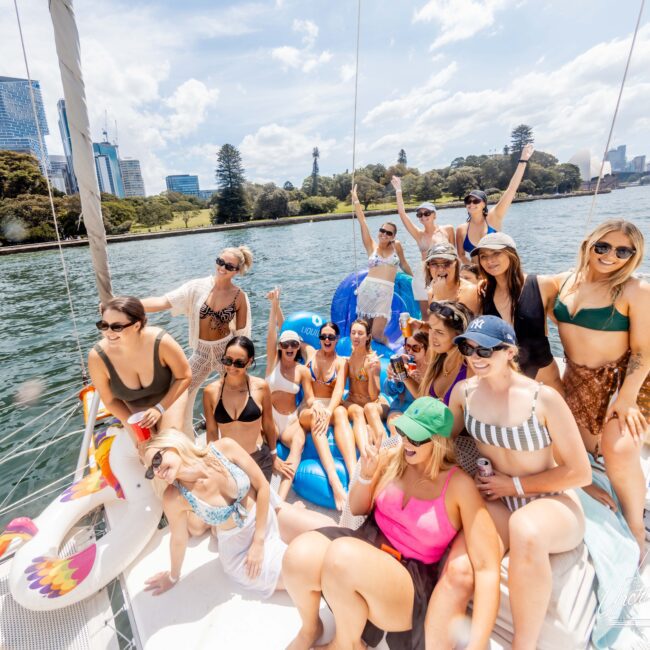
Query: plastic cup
(141, 433)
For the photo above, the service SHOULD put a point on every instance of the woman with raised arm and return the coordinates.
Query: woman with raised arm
(136, 367)
(286, 376)
(328, 373)
(239, 406)
(216, 310)
(521, 299)
(481, 220)
(380, 576)
(425, 237)
(528, 434)
(385, 257)
(442, 277)
(220, 488)
(603, 316)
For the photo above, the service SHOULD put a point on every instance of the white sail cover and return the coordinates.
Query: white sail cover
(68, 51)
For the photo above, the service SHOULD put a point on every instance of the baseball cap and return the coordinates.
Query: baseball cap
(426, 206)
(488, 331)
(443, 251)
(289, 335)
(478, 194)
(494, 241)
(424, 418)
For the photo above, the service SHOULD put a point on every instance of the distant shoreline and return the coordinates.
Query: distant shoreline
(261, 223)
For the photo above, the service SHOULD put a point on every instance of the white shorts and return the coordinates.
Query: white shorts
(235, 543)
(374, 298)
(283, 421)
(418, 286)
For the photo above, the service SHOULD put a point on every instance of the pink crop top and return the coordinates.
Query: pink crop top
(422, 529)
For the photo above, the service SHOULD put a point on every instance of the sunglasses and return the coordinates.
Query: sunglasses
(389, 233)
(443, 265)
(238, 363)
(327, 337)
(156, 462)
(423, 213)
(416, 347)
(448, 313)
(293, 345)
(415, 443)
(468, 350)
(103, 326)
(622, 252)
(472, 201)
(226, 265)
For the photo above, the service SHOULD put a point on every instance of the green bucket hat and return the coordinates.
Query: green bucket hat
(425, 418)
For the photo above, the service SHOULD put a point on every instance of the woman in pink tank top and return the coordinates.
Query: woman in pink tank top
(380, 577)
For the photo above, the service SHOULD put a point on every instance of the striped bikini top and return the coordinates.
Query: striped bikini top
(528, 436)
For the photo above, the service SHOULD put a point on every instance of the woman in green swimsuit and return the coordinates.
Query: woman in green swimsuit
(603, 316)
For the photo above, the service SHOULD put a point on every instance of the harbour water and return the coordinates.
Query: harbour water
(37, 339)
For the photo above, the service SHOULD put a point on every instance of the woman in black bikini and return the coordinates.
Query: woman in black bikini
(238, 406)
(216, 310)
(130, 353)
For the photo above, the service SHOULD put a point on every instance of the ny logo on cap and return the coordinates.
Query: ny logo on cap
(478, 324)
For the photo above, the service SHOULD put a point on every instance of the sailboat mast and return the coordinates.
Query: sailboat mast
(66, 37)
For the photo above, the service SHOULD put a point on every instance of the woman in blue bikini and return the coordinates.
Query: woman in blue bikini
(481, 220)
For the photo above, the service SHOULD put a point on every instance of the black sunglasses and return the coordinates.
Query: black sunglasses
(472, 201)
(468, 350)
(226, 265)
(327, 337)
(238, 363)
(415, 443)
(390, 233)
(156, 462)
(103, 326)
(448, 313)
(622, 252)
(423, 213)
(285, 345)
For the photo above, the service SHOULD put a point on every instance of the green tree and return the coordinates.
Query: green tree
(429, 186)
(341, 186)
(368, 190)
(20, 174)
(231, 202)
(401, 157)
(461, 181)
(272, 203)
(378, 172)
(314, 172)
(544, 159)
(318, 205)
(457, 162)
(187, 211)
(409, 186)
(288, 186)
(569, 178)
(519, 137)
(154, 211)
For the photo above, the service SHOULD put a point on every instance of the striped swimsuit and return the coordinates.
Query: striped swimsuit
(528, 436)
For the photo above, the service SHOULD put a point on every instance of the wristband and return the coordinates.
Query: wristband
(274, 452)
(356, 202)
(518, 487)
(523, 161)
(160, 407)
(398, 191)
(363, 481)
(173, 580)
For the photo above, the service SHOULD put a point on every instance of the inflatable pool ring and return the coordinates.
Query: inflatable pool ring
(344, 304)
(39, 579)
(305, 323)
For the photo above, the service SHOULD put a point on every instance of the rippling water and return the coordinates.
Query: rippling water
(37, 340)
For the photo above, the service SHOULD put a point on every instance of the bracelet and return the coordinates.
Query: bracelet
(274, 452)
(160, 407)
(523, 161)
(173, 580)
(398, 191)
(518, 487)
(363, 481)
(356, 202)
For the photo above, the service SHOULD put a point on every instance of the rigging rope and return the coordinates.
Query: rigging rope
(354, 142)
(51, 197)
(618, 103)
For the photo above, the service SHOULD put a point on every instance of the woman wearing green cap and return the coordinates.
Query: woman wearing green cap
(416, 500)
(481, 220)
(531, 439)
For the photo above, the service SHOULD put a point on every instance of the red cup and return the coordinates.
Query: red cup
(141, 433)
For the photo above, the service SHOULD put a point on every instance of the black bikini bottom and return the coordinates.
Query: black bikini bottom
(264, 459)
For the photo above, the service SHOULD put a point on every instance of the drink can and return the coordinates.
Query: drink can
(405, 325)
(397, 364)
(484, 467)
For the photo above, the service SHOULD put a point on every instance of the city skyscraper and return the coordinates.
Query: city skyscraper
(18, 131)
(132, 177)
(618, 158)
(107, 165)
(183, 183)
(60, 176)
(64, 129)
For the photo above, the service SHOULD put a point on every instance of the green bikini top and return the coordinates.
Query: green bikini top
(604, 319)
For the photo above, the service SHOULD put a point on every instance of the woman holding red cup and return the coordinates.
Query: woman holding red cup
(132, 354)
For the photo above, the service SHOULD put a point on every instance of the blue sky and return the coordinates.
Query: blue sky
(440, 78)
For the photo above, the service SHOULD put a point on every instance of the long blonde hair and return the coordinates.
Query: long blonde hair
(189, 453)
(443, 457)
(615, 281)
(243, 254)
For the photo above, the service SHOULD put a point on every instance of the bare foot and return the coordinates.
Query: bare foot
(340, 495)
(306, 637)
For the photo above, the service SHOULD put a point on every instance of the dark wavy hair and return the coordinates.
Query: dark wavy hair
(514, 277)
(331, 325)
(130, 306)
(243, 342)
